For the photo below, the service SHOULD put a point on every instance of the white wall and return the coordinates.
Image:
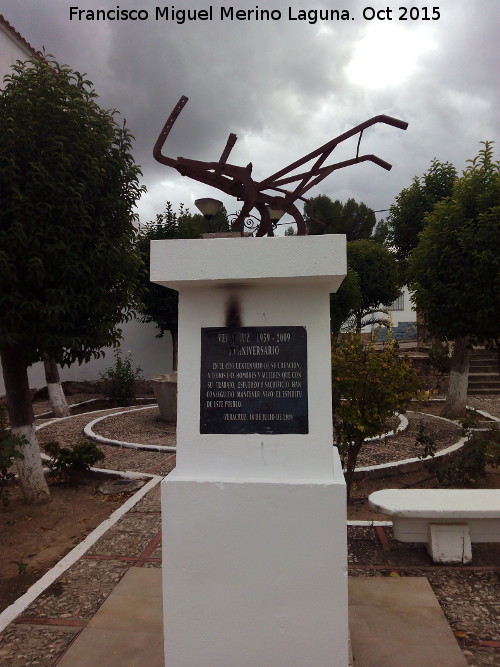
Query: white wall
(408, 314)
(10, 51)
(153, 355)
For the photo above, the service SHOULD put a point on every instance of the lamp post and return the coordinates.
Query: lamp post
(209, 207)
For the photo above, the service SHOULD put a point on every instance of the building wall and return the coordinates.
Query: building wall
(153, 355)
(11, 50)
(404, 320)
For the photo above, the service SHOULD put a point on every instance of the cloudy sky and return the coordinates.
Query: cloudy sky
(285, 85)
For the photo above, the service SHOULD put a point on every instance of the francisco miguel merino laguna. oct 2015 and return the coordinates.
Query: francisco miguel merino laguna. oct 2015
(224, 13)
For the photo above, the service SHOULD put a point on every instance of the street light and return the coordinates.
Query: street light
(208, 207)
(275, 214)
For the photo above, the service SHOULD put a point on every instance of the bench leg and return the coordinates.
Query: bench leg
(449, 543)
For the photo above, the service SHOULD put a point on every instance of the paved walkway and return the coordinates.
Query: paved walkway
(82, 617)
(393, 622)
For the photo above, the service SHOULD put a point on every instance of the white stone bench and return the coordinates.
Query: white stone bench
(447, 520)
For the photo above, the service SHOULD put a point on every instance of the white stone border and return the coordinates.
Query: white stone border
(42, 415)
(416, 459)
(403, 425)
(369, 524)
(89, 433)
(17, 607)
(55, 420)
(442, 452)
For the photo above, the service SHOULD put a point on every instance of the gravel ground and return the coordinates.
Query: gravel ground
(140, 426)
(402, 445)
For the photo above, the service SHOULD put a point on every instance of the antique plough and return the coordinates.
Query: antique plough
(238, 182)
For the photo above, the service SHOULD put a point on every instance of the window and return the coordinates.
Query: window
(399, 304)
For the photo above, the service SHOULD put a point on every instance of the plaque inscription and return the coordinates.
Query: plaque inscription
(254, 380)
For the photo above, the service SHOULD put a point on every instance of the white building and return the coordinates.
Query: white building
(403, 317)
(12, 47)
(153, 355)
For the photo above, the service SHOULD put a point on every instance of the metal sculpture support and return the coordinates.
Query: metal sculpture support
(238, 182)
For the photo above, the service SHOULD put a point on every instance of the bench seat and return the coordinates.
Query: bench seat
(447, 520)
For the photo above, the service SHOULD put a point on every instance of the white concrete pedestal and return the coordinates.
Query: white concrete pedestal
(254, 524)
(254, 573)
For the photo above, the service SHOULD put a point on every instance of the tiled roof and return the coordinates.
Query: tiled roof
(10, 29)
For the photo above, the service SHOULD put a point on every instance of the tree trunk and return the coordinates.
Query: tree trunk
(354, 448)
(22, 424)
(56, 393)
(359, 318)
(456, 397)
(175, 345)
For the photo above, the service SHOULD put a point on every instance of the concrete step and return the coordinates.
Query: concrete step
(488, 390)
(484, 380)
(484, 361)
(485, 367)
(484, 377)
(397, 622)
(494, 385)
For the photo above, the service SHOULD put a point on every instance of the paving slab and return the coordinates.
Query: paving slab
(127, 631)
(394, 622)
(397, 622)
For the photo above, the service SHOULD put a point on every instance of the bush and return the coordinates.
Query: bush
(440, 357)
(118, 381)
(368, 388)
(72, 464)
(9, 452)
(468, 465)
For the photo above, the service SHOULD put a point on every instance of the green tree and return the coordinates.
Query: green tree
(68, 266)
(381, 233)
(368, 388)
(159, 304)
(455, 269)
(345, 302)
(354, 220)
(378, 277)
(407, 214)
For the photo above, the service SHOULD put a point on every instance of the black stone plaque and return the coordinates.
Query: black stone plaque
(254, 380)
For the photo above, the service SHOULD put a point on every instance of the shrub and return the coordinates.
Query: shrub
(368, 387)
(72, 464)
(440, 357)
(425, 442)
(9, 452)
(467, 466)
(118, 381)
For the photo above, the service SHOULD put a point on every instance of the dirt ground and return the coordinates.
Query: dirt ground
(36, 537)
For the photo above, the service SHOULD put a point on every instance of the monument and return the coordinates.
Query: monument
(254, 518)
(254, 514)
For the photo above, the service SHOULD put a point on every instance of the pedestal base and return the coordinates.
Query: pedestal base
(254, 573)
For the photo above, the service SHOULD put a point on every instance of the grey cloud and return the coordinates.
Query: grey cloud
(281, 87)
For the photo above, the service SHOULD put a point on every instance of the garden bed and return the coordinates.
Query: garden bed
(36, 537)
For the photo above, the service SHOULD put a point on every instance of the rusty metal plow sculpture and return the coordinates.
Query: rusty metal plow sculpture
(238, 182)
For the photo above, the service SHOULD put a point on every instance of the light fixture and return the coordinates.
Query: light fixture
(275, 214)
(208, 207)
